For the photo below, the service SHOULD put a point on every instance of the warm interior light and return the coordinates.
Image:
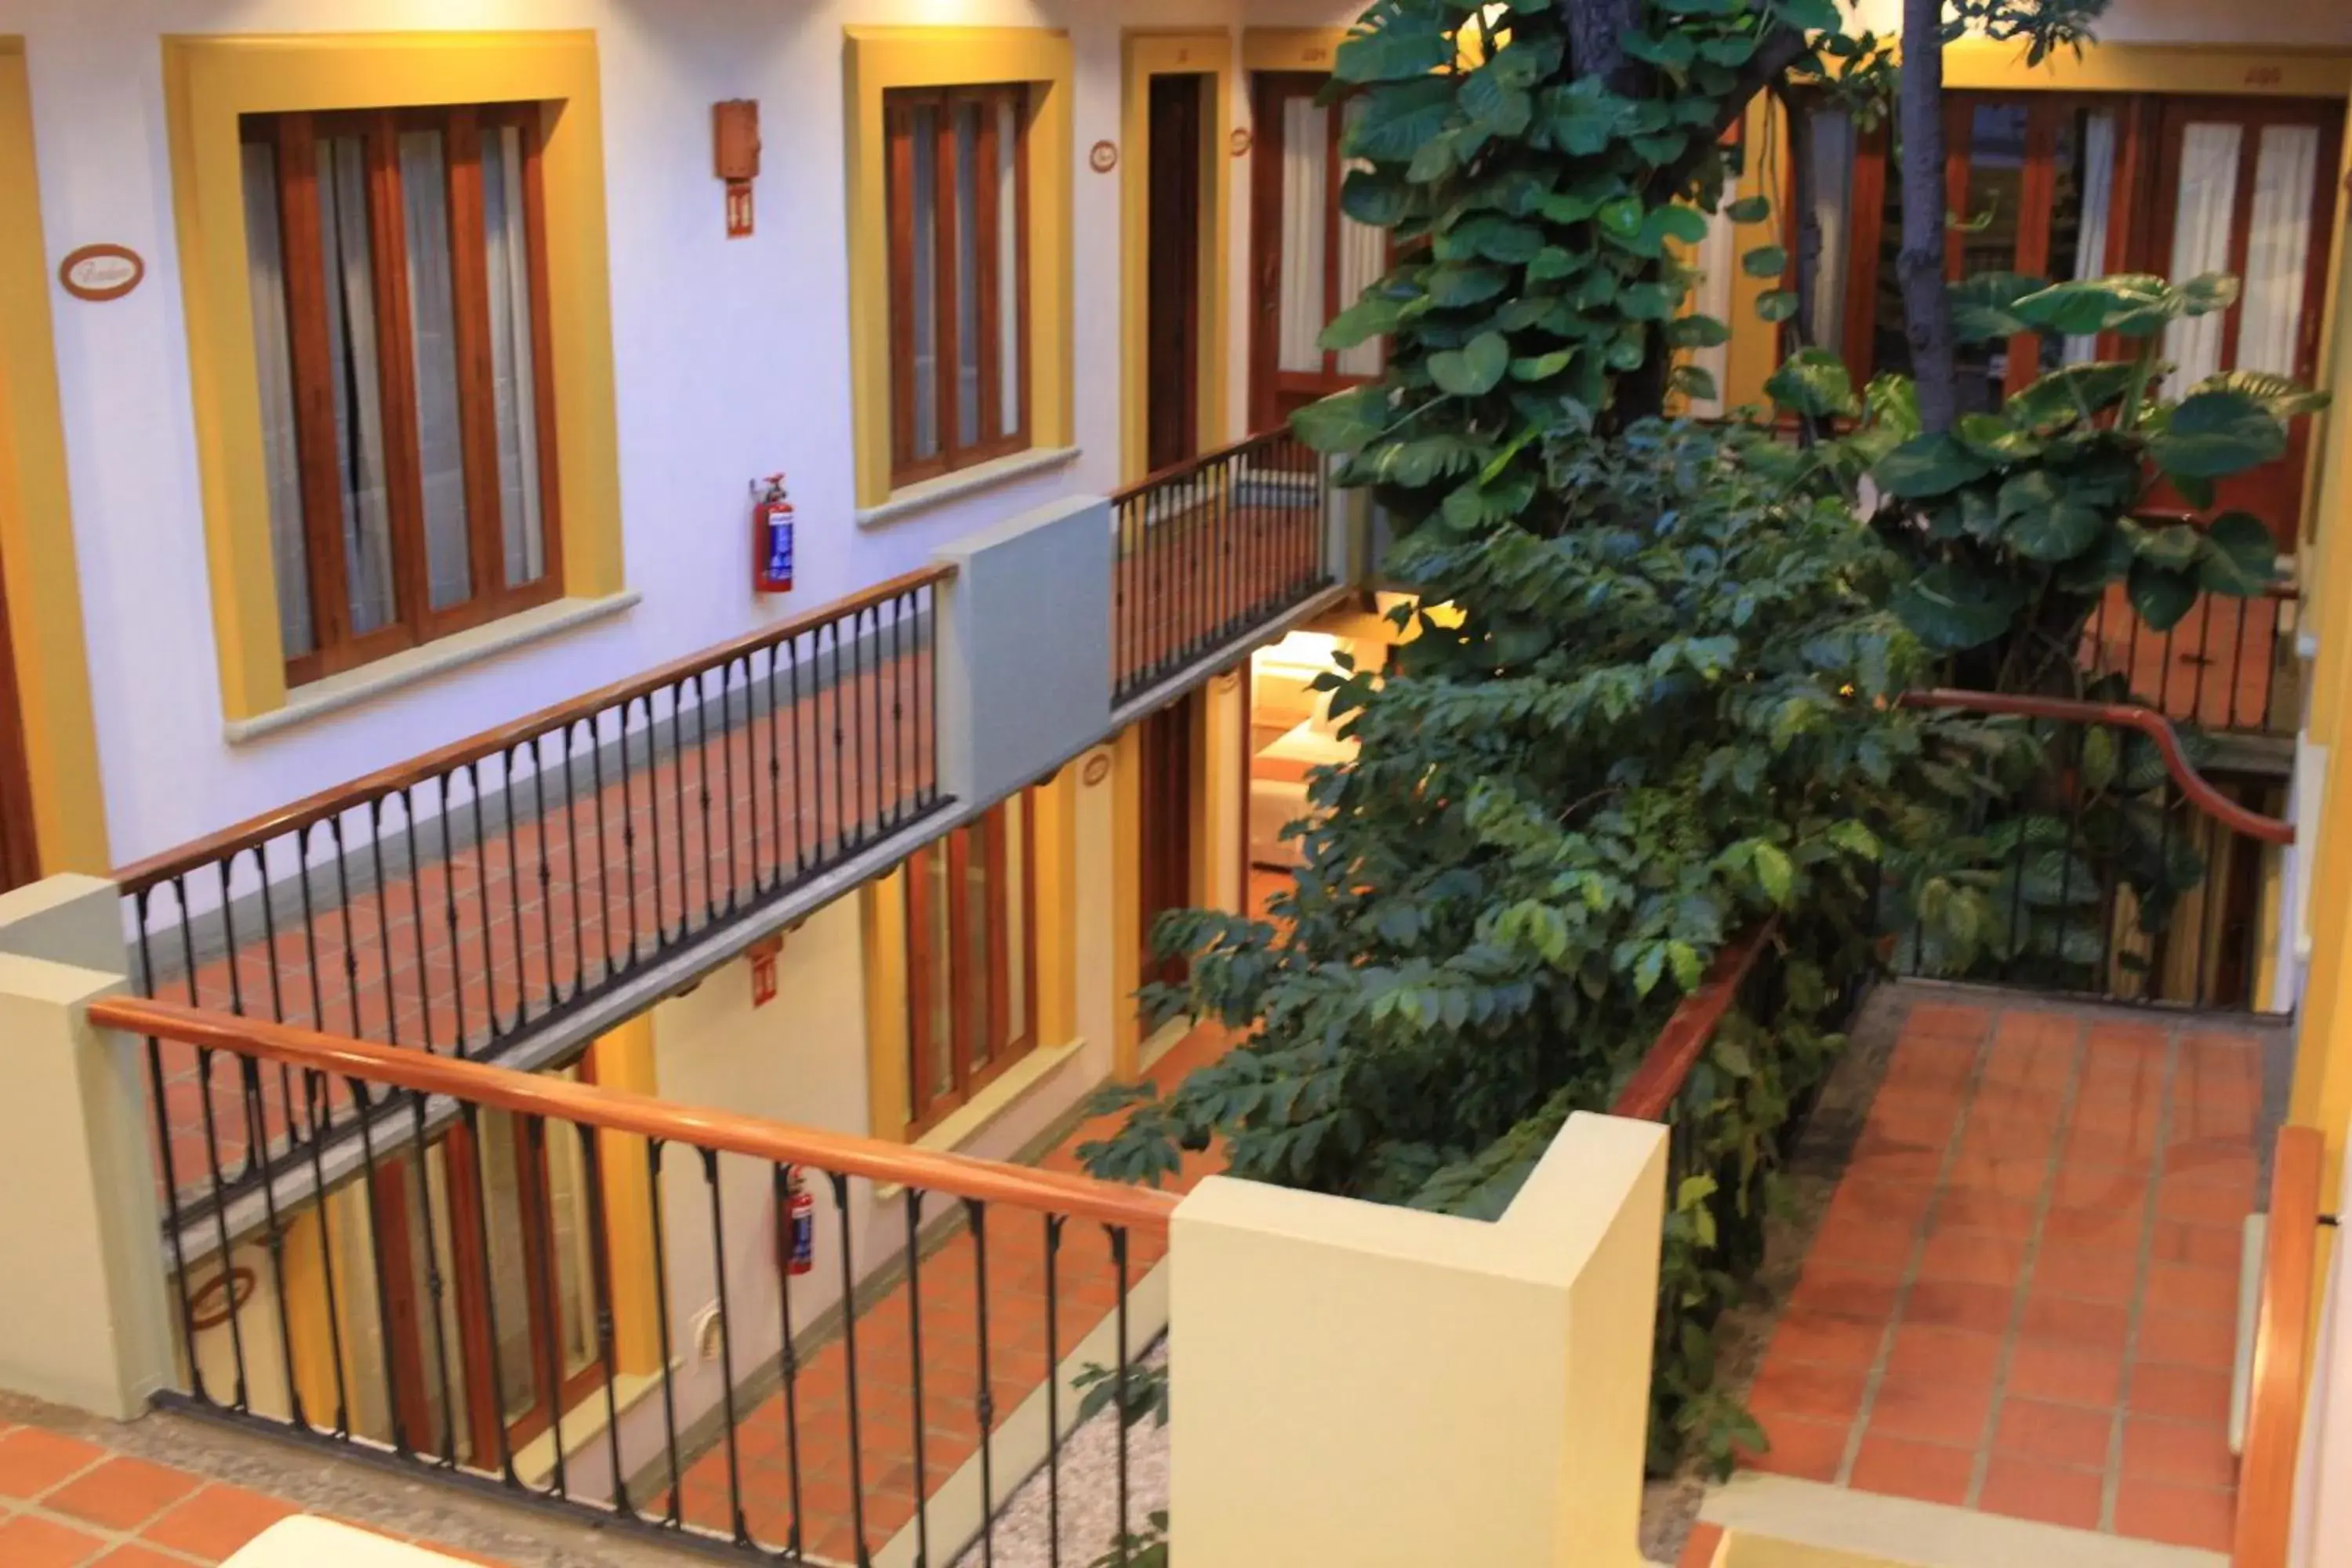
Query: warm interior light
(1475, 41)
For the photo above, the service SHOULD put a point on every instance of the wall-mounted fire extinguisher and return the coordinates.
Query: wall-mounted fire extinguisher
(796, 1228)
(772, 538)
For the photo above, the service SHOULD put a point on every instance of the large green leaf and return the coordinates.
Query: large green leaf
(1373, 316)
(1405, 46)
(2078, 392)
(1984, 306)
(1780, 305)
(1474, 370)
(1398, 120)
(2239, 557)
(1928, 466)
(1489, 98)
(1453, 285)
(2162, 598)
(2283, 396)
(2173, 548)
(1696, 332)
(2213, 434)
(1346, 421)
(1765, 261)
(1650, 301)
(1813, 382)
(2135, 304)
(1376, 197)
(2044, 522)
(1952, 609)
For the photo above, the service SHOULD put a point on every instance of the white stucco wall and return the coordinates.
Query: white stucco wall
(732, 358)
(2184, 21)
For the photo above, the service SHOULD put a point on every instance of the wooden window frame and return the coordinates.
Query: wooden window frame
(292, 136)
(969, 1071)
(899, 105)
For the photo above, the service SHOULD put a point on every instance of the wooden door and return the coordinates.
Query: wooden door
(1168, 742)
(2247, 186)
(1172, 298)
(1309, 260)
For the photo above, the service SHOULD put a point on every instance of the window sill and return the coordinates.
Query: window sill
(912, 498)
(969, 1120)
(583, 1424)
(365, 684)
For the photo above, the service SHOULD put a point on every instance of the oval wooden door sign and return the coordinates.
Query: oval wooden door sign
(102, 271)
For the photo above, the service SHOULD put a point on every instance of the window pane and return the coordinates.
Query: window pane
(939, 949)
(274, 357)
(922, 270)
(1305, 182)
(2200, 243)
(1363, 261)
(1988, 232)
(574, 1261)
(974, 1004)
(1012, 346)
(2278, 247)
(354, 367)
(1016, 923)
(1832, 159)
(433, 339)
(967, 273)
(2086, 191)
(513, 396)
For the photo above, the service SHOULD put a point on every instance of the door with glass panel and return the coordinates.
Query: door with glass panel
(972, 961)
(1310, 260)
(495, 1227)
(2247, 186)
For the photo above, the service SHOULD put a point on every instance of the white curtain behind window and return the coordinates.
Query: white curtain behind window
(1009, 369)
(2278, 250)
(273, 355)
(1305, 201)
(922, 272)
(514, 398)
(1717, 258)
(2099, 198)
(1833, 149)
(357, 370)
(433, 339)
(967, 273)
(2200, 243)
(1363, 261)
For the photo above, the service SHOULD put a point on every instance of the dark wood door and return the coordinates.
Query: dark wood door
(1172, 303)
(1169, 740)
(1308, 261)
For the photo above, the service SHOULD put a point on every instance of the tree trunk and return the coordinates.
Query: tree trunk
(1596, 34)
(1927, 304)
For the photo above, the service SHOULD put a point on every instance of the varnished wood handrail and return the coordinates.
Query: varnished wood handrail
(2281, 1332)
(1174, 471)
(339, 799)
(1143, 1210)
(1650, 1091)
(2124, 715)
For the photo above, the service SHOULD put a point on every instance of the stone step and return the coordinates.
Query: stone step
(1772, 1521)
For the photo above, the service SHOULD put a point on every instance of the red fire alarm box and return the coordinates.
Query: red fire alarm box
(763, 955)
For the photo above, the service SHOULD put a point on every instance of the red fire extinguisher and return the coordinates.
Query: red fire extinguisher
(799, 1229)
(771, 538)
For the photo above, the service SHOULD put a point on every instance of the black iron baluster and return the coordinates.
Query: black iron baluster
(603, 839)
(434, 1286)
(478, 1182)
(2078, 800)
(383, 923)
(1119, 1405)
(318, 1019)
(728, 731)
(482, 902)
(257, 1135)
(276, 991)
(775, 786)
(1053, 1223)
(676, 1510)
(984, 1402)
(579, 921)
(220, 1219)
(914, 1366)
(737, 1523)
(416, 923)
(546, 880)
(653, 828)
(800, 840)
(449, 918)
(538, 1213)
(677, 812)
(849, 1362)
(840, 753)
(317, 1099)
(788, 1356)
(350, 938)
(381, 1269)
(702, 788)
(600, 1273)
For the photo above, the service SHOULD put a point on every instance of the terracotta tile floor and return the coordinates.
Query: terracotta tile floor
(2022, 1295)
(68, 1503)
(885, 1483)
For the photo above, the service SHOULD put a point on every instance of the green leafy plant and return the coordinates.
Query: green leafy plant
(1143, 1392)
(1145, 1548)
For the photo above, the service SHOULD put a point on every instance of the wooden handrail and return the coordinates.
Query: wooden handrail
(1650, 1091)
(1177, 471)
(2124, 715)
(338, 798)
(1144, 1210)
(2282, 1333)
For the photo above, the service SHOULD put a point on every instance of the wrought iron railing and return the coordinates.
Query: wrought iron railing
(2228, 666)
(708, 1328)
(453, 902)
(2118, 871)
(1210, 549)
